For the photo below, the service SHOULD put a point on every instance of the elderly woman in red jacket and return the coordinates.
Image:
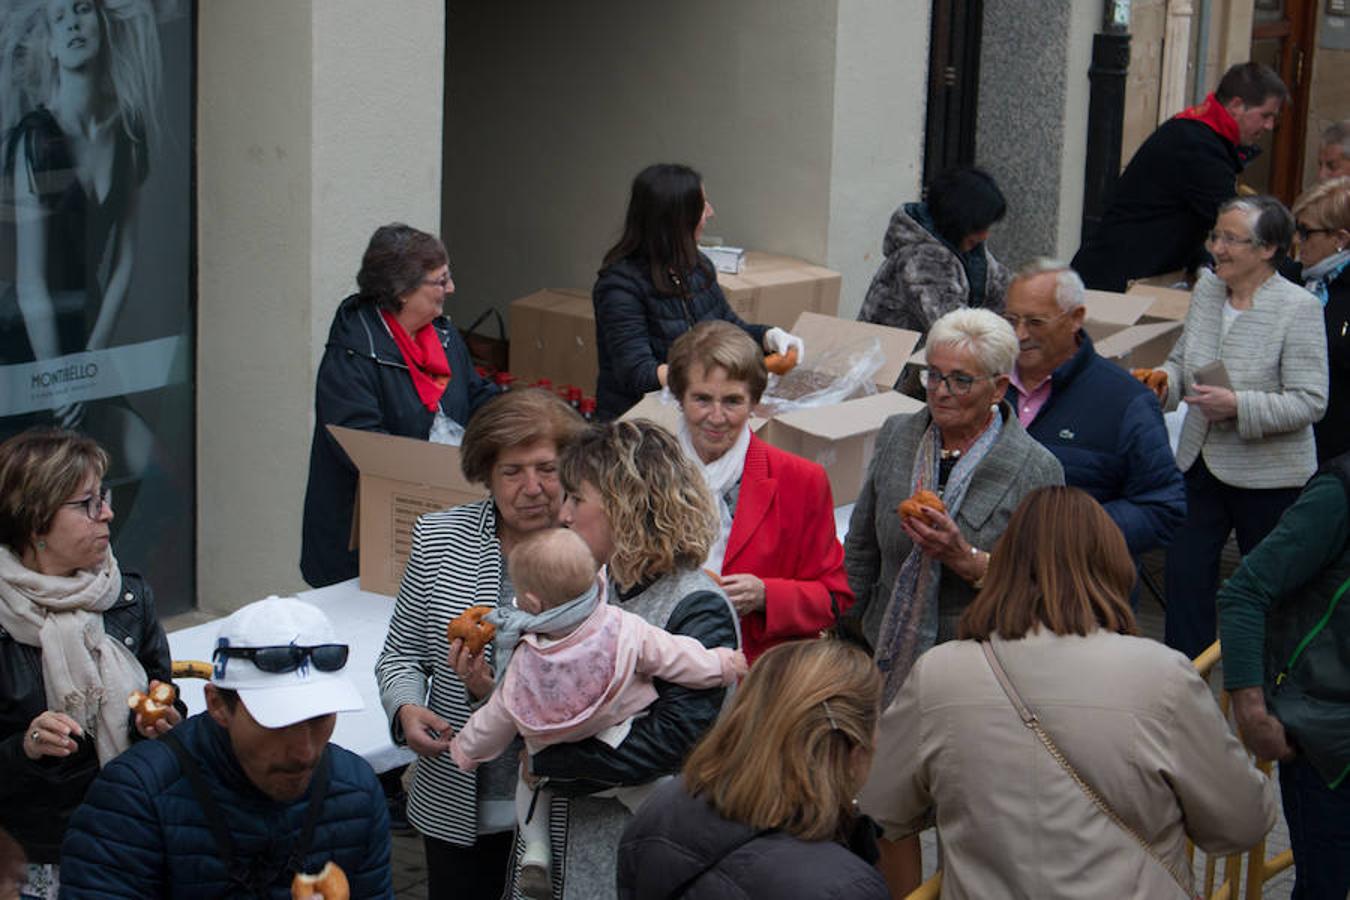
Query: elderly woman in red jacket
(777, 552)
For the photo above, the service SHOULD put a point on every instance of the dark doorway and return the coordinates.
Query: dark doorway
(953, 85)
(1282, 38)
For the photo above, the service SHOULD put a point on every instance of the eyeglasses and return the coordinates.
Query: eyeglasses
(1306, 231)
(1033, 323)
(443, 282)
(958, 383)
(1215, 238)
(94, 503)
(280, 660)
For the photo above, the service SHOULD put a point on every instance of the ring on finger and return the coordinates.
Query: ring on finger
(36, 736)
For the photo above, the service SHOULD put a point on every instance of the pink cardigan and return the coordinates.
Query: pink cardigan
(596, 677)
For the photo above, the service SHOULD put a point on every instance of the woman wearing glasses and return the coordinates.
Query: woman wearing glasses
(77, 636)
(1322, 222)
(777, 552)
(393, 363)
(1251, 364)
(914, 576)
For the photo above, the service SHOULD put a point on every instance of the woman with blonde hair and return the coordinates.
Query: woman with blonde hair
(764, 807)
(644, 512)
(1322, 226)
(1062, 755)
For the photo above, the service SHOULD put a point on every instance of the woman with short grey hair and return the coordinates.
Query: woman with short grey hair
(913, 575)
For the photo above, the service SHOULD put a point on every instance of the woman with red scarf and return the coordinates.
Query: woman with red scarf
(393, 363)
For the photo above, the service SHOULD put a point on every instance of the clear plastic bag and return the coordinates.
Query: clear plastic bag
(826, 377)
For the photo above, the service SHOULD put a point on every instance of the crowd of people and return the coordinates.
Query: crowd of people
(695, 688)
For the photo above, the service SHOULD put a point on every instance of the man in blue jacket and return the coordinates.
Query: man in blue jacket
(1105, 428)
(242, 797)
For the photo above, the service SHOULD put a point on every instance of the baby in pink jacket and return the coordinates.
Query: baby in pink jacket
(574, 667)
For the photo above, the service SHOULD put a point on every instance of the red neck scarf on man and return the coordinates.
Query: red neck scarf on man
(427, 363)
(1211, 112)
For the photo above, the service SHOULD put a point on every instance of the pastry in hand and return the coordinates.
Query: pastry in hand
(470, 628)
(329, 884)
(1153, 379)
(915, 505)
(781, 363)
(154, 704)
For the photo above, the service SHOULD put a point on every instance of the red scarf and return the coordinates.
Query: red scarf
(426, 360)
(1212, 113)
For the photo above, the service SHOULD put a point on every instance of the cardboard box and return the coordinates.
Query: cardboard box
(775, 290)
(839, 436)
(553, 337)
(1169, 304)
(1142, 346)
(401, 478)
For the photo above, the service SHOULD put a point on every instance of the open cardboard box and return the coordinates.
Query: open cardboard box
(839, 436)
(775, 290)
(401, 478)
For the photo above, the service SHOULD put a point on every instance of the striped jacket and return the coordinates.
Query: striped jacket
(1276, 357)
(456, 563)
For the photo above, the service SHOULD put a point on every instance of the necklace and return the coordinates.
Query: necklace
(950, 454)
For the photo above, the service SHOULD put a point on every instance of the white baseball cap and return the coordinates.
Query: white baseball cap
(297, 637)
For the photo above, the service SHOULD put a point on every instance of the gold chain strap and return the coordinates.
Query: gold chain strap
(1029, 719)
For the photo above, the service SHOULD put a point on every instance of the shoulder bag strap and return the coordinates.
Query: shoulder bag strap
(318, 793)
(685, 885)
(215, 817)
(1029, 719)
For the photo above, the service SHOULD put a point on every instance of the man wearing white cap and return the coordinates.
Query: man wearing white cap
(249, 792)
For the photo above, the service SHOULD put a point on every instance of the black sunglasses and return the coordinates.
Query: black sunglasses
(279, 660)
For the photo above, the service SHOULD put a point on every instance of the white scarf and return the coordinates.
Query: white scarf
(721, 476)
(87, 673)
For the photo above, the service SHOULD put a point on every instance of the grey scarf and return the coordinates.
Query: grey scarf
(512, 623)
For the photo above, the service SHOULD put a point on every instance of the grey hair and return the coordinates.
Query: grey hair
(1069, 287)
(1338, 133)
(1272, 223)
(985, 335)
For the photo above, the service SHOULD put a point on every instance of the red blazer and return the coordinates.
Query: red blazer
(784, 533)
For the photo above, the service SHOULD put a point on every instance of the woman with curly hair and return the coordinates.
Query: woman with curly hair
(645, 512)
(764, 807)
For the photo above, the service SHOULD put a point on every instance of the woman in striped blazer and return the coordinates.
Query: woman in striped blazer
(429, 686)
(1246, 448)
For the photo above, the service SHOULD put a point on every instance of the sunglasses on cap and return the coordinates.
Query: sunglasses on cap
(280, 660)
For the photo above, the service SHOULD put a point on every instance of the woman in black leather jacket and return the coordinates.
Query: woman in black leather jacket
(63, 703)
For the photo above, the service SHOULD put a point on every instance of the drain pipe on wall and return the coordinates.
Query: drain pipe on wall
(1106, 110)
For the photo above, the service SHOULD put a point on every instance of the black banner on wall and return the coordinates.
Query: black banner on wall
(96, 249)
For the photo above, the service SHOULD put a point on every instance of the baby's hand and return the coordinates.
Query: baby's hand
(736, 665)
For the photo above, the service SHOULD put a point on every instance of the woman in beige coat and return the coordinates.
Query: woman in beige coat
(1130, 715)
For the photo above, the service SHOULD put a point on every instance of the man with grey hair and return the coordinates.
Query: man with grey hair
(1105, 428)
(1333, 157)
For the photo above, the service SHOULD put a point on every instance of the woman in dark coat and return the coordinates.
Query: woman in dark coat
(1322, 223)
(764, 807)
(655, 285)
(393, 363)
(77, 636)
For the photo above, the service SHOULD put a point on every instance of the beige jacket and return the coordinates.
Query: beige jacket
(1276, 357)
(1132, 717)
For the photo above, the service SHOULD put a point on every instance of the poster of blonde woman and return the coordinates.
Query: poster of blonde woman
(96, 224)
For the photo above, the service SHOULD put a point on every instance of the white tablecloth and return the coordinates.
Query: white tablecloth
(362, 620)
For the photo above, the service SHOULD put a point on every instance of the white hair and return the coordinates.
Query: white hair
(1069, 288)
(985, 335)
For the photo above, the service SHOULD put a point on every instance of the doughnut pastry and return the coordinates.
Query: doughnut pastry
(155, 704)
(1153, 379)
(192, 668)
(781, 363)
(329, 884)
(914, 506)
(469, 627)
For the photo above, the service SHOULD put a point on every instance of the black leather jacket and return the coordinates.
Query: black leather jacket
(38, 797)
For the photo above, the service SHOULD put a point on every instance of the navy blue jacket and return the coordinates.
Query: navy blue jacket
(1106, 429)
(141, 832)
(363, 383)
(635, 326)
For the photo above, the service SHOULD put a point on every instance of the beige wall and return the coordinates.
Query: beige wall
(805, 118)
(312, 129)
(1084, 23)
(1328, 101)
